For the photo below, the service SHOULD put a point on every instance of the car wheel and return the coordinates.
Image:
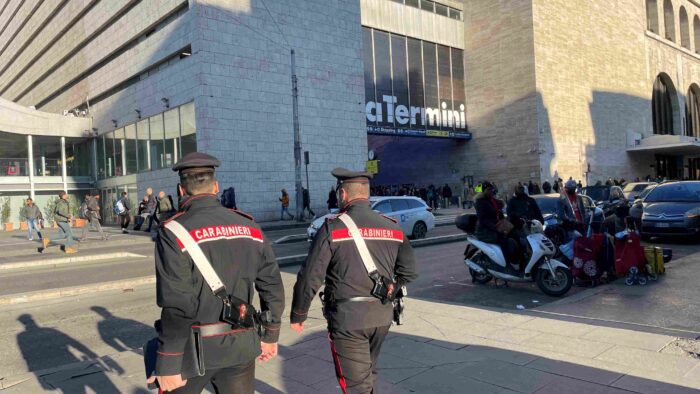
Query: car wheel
(419, 230)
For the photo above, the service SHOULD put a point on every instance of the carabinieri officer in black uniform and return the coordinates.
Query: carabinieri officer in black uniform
(358, 320)
(243, 259)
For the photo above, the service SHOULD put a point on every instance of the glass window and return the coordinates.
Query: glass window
(441, 9)
(427, 5)
(171, 121)
(675, 192)
(118, 152)
(398, 1)
(413, 3)
(157, 144)
(78, 157)
(455, 14)
(415, 204)
(445, 75)
(188, 129)
(109, 155)
(14, 154)
(383, 207)
(101, 168)
(458, 94)
(432, 102)
(368, 58)
(142, 145)
(47, 155)
(400, 81)
(415, 79)
(399, 205)
(382, 58)
(131, 148)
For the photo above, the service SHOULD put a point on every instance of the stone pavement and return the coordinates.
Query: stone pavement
(443, 348)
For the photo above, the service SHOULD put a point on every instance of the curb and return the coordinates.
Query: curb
(68, 260)
(41, 295)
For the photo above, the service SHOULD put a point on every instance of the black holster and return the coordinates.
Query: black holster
(384, 288)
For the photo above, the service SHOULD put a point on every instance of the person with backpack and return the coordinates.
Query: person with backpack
(90, 211)
(123, 209)
(151, 208)
(62, 217)
(284, 201)
(332, 199)
(165, 207)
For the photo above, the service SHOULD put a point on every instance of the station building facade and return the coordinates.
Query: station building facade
(439, 92)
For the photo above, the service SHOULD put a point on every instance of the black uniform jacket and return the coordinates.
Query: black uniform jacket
(334, 257)
(243, 259)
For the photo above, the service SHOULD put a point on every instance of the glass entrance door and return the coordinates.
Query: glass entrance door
(694, 169)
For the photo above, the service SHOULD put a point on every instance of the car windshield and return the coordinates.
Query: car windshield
(635, 187)
(547, 204)
(675, 192)
(646, 191)
(597, 193)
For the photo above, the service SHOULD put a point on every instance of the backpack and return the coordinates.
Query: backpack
(228, 198)
(83, 210)
(118, 207)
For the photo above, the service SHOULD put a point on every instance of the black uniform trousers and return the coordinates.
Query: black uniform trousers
(232, 380)
(355, 354)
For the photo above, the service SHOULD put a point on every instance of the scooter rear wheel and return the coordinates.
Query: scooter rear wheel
(481, 279)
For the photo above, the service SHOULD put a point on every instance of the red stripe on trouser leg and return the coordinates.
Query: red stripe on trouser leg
(338, 368)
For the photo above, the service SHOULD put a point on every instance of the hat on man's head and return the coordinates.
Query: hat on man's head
(196, 162)
(486, 185)
(346, 176)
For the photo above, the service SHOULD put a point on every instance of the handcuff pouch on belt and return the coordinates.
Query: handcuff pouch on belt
(384, 288)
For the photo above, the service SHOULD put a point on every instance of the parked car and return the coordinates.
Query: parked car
(548, 207)
(637, 206)
(413, 215)
(608, 198)
(634, 189)
(672, 209)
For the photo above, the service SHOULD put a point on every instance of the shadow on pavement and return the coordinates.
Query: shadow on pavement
(41, 346)
(122, 334)
(412, 363)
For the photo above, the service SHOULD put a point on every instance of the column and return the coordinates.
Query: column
(94, 160)
(30, 167)
(123, 144)
(64, 171)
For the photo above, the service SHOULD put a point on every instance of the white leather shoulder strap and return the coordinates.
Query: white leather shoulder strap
(198, 257)
(359, 242)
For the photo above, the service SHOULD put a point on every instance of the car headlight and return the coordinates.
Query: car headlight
(693, 213)
(313, 227)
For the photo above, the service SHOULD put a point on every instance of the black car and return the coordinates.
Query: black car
(548, 205)
(608, 198)
(672, 209)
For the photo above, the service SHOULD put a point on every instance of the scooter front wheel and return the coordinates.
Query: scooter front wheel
(557, 285)
(480, 278)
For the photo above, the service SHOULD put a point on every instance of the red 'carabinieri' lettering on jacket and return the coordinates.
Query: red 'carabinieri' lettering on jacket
(382, 234)
(231, 231)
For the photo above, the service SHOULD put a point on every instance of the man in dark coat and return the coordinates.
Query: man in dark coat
(358, 320)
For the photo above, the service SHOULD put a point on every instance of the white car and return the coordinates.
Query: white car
(632, 190)
(412, 213)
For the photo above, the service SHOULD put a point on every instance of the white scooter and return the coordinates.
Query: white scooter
(486, 261)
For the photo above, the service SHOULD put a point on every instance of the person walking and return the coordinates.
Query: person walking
(332, 200)
(92, 215)
(363, 270)
(307, 204)
(62, 217)
(123, 209)
(165, 207)
(284, 201)
(152, 206)
(233, 252)
(33, 215)
(447, 195)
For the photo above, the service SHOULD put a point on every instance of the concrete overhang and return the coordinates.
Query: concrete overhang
(15, 118)
(667, 144)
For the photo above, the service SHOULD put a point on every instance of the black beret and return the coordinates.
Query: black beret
(196, 160)
(344, 175)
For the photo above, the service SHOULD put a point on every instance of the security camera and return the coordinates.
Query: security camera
(166, 102)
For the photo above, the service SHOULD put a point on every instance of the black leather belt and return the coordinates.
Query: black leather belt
(217, 329)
